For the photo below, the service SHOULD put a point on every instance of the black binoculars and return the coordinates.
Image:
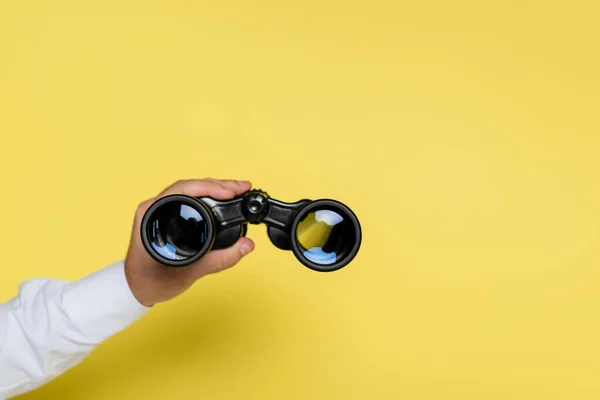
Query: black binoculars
(177, 230)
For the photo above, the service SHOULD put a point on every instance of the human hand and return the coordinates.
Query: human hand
(152, 282)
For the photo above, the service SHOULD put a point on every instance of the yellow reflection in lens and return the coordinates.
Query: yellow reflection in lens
(312, 233)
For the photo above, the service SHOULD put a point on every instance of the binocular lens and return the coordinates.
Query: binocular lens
(327, 236)
(177, 231)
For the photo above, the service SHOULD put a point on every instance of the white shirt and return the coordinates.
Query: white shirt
(51, 325)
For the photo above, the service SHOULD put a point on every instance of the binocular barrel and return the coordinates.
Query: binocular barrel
(324, 235)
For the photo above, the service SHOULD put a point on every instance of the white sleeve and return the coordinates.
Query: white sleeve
(52, 325)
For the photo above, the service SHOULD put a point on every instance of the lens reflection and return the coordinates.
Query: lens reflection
(177, 231)
(325, 236)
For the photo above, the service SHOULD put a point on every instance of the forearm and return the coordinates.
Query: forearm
(52, 325)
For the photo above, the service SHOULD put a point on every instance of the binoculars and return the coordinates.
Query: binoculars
(177, 230)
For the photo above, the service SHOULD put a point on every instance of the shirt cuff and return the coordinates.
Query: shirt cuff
(102, 304)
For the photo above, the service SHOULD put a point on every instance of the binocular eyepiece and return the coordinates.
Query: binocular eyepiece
(177, 230)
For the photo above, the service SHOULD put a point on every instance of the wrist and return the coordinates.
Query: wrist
(138, 288)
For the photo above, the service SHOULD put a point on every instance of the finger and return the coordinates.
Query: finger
(237, 186)
(200, 187)
(142, 208)
(219, 260)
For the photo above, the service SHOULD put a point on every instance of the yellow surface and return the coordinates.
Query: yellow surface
(312, 233)
(464, 134)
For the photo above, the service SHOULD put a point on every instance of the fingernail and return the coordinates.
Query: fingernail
(242, 182)
(245, 249)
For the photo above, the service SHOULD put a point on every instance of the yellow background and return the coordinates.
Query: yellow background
(464, 134)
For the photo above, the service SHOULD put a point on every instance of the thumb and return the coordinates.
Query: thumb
(219, 260)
